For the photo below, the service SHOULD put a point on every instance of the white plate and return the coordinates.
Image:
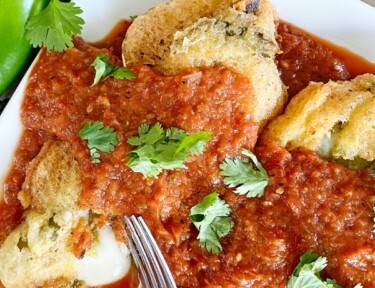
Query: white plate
(349, 23)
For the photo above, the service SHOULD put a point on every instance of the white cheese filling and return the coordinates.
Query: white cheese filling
(108, 262)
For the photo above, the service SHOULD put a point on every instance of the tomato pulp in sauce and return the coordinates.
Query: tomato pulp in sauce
(60, 99)
(327, 207)
(270, 233)
(308, 58)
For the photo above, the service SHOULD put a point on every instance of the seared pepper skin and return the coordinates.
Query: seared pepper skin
(15, 50)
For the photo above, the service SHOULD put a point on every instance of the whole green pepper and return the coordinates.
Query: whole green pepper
(15, 51)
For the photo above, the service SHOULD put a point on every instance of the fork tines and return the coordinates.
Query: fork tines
(153, 270)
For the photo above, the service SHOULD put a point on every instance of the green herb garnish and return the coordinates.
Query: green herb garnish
(307, 273)
(211, 217)
(160, 149)
(243, 175)
(104, 69)
(54, 26)
(99, 138)
(77, 284)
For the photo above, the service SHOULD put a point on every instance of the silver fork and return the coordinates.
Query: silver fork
(154, 271)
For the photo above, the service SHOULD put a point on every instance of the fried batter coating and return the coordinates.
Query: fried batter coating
(41, 187)
(336, 120)
(37, 253)
(204, 34)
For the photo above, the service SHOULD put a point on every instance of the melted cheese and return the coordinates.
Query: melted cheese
(108, 262)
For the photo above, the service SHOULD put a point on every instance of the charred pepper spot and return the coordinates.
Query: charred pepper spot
(252, 6)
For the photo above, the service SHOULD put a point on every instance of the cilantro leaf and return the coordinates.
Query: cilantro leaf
(104, 69)
(211, 218)
(307, 273)
(194, 142)
(54, 26)
(175, 133)
(99, 137)
(95, 156)
(147, 135)
(242, 174)
(160, 149)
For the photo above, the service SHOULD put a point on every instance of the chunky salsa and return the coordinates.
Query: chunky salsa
(306, 58)
(308, 204)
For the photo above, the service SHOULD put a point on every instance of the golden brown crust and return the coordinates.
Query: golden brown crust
(43, 190)
(150, 35)
(225, 35)
(37, 253)
(334, 119)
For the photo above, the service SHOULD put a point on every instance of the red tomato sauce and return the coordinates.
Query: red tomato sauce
(60, 99)
(212, 99)
(326, 207)
(309, 203)
(308, 58)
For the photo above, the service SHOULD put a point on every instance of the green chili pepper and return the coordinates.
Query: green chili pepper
(15, 51)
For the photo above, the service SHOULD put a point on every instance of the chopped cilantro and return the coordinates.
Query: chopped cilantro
(211, 217)
(99, 137)
(104, 69)
(160, 149)
(78, 284)
(307, 273)
(242, 174)
(54, 26)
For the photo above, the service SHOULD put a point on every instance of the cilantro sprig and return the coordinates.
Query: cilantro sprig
(99, 138)
(211, 218)
(307, 273)
(54, 26)
(243, 175)
(160, 149)
(104, 69)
